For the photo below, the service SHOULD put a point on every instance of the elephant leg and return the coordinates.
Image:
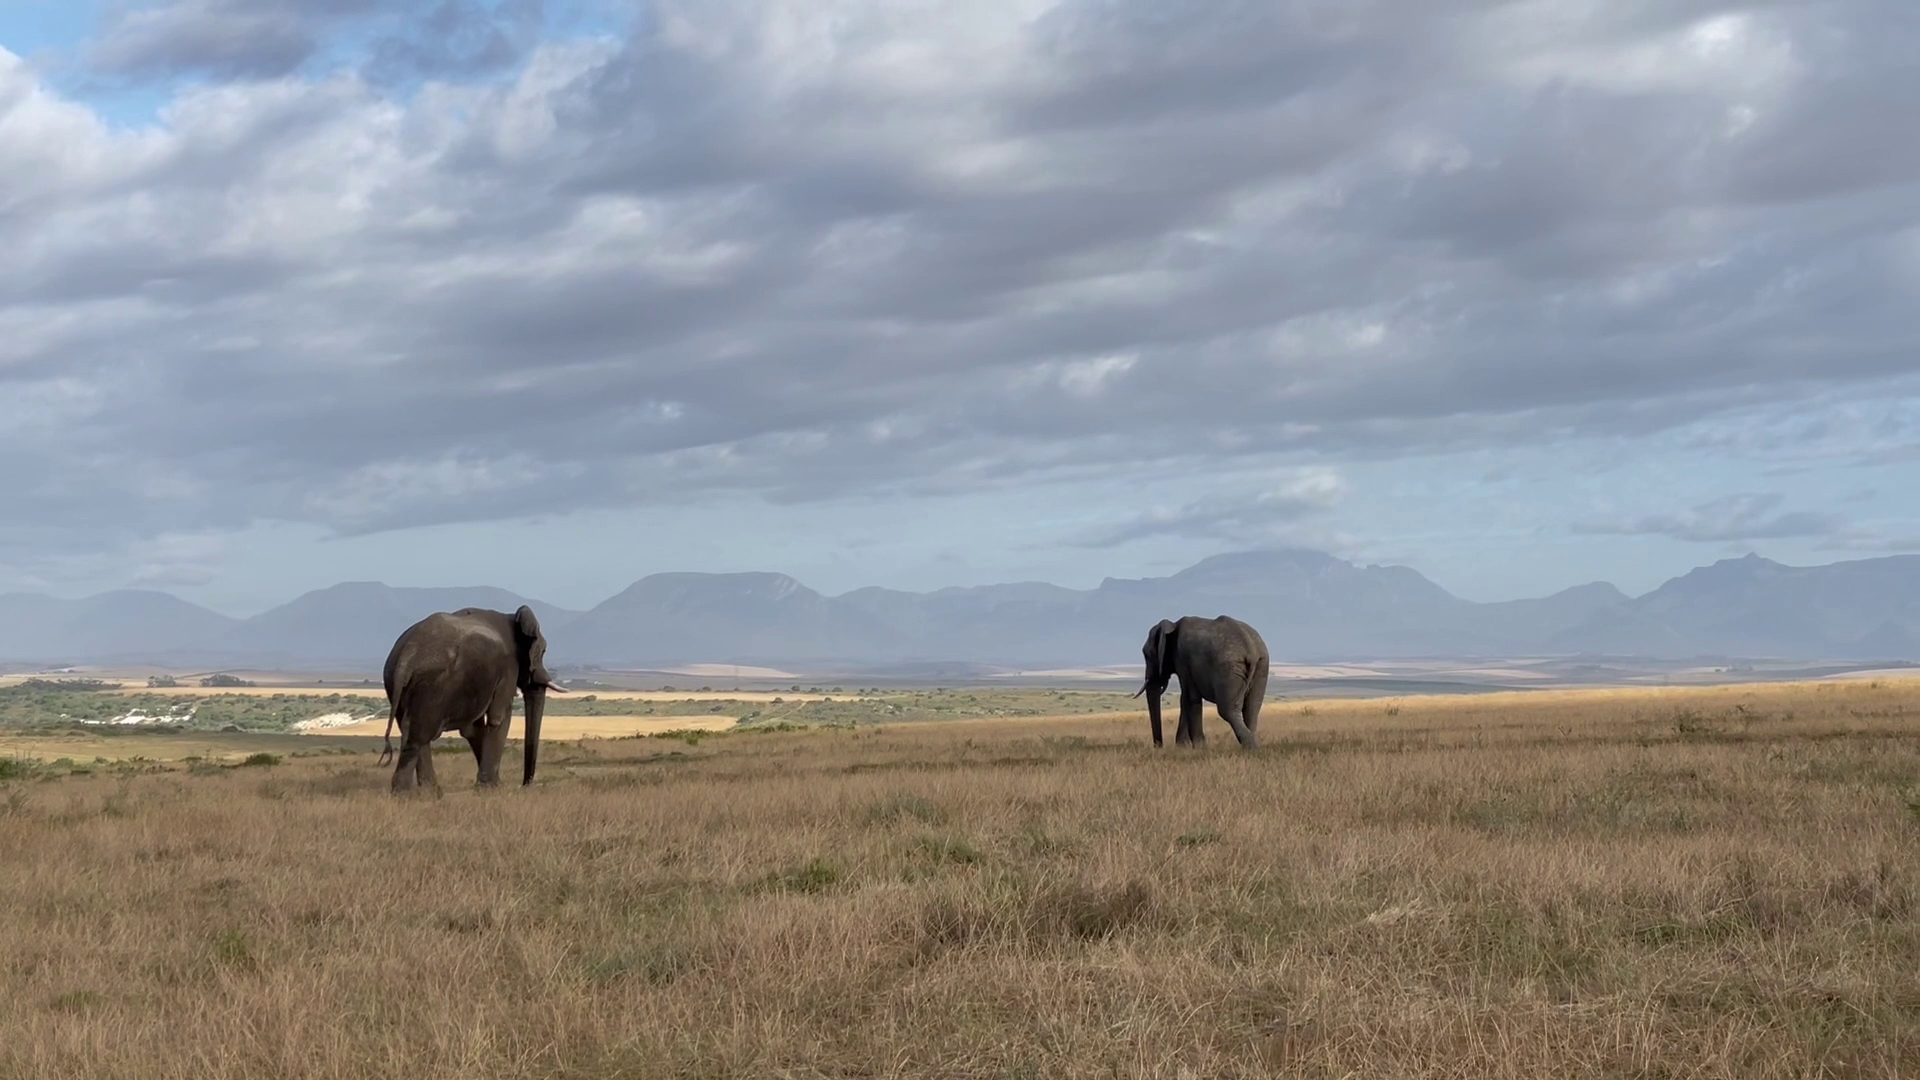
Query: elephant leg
(1229, 707)
(404, 779)
(472, 733)
(423, 757)
(1256, 695)
(493, 740)
(1189, 731)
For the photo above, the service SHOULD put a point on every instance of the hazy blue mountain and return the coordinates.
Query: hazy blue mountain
(1752, 606)
(357, 621)
(1888, 641)
(1308, 605)
(1304, 603)
(28, 624)
(1021, 623)
(127, 622)
(1622, 631)
(1546, 618)
(134, 620)
(749, 618)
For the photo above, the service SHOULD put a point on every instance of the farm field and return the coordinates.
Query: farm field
(1716, 882)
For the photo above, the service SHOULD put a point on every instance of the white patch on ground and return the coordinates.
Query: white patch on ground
(736, 671)
(332, 720)
(1075, 674)
(177, 714)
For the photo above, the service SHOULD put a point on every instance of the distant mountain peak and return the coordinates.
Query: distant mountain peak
(1594, 590)
(1262, 559)
(1237, 567)
(352, 588)
(1725, 573)
(738, 583)
(1308, 604)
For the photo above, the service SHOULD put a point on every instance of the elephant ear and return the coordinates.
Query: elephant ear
(1159, 645)
(525, 622)
(534, 645)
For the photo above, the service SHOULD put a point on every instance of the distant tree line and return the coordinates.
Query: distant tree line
(163, 681)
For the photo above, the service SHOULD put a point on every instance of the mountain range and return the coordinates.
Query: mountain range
(1307, 604)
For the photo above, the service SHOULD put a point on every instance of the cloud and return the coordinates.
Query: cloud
(1750, 516)
(459, 39)
(219, 38)
(807, 250)
(1873, 540)
(1261, 518)
(175, 560)
(270, 39)
(161, 561)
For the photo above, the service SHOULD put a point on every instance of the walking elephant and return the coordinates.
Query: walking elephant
(459, 670)
(1221, 660)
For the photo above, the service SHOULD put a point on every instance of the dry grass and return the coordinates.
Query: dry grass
(1697, 884)
(569, 727)
(195, 690)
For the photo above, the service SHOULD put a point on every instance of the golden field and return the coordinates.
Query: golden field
(563, 728)
(131, 687)
(214, 746)
(1690, 883)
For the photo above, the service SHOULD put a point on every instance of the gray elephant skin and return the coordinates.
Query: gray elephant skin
(1221, 660)
(459, 670)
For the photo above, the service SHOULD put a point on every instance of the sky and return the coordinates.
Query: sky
(554, 294)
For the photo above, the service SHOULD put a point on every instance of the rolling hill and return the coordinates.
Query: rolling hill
(1309, 605)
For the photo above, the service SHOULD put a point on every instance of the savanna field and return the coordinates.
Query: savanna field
(1637, 883)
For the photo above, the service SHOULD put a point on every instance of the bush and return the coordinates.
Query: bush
(816, 876)
(904, 805)
(87, 685)
(948, 849)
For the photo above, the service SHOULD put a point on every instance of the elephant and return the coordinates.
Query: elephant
(459, 670)
(1221, 660)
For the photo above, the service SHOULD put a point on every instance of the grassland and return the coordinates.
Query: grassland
(50, 708)
(27, 707)
(1700, 883)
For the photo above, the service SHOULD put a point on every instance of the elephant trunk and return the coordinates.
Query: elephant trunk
(1153, 710)
(536, 702)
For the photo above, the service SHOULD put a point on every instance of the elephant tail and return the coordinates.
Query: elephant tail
(386, 755)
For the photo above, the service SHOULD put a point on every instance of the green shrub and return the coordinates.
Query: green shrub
(816, 876)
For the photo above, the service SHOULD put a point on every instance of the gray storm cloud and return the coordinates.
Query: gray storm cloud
(252, 39)
(1265, 516)
(1747, 516)
(804, 250)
